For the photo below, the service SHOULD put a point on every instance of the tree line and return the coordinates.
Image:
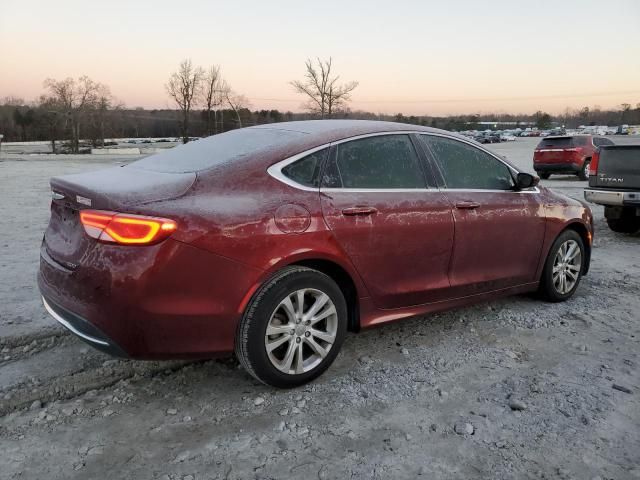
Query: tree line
(73, 111)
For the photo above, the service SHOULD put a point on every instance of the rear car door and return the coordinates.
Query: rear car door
(498, 231)
(396, 229)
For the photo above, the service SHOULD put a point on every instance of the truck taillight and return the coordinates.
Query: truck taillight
(593, 166)
(125, 229)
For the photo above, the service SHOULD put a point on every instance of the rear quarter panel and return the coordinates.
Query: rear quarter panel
(256, 220)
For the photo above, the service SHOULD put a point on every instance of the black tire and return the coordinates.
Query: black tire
(544, 175)
(583, 174)
(250, 339)
(624, 224)
(547, 288)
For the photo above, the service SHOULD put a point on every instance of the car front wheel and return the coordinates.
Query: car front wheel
(563, 268)
(293, 328)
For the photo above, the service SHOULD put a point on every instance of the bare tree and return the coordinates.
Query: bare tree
(212, 96)
(235, 101)
(103, 104)
(74, 99)
(326, 95)
(182, 88)
(51, 117)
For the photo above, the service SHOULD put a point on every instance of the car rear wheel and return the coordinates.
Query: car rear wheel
(583, 174)
(563, 268)
(293, 328)
(544, 175)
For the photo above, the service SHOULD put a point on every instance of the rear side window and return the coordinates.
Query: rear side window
(466, 167)
(381, 162)
(306, 171)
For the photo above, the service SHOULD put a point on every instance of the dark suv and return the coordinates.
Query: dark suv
(566, 155)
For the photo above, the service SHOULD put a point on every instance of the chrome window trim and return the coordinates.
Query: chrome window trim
(71, 327)
(275, 170)
(378, 190)
(480, 190)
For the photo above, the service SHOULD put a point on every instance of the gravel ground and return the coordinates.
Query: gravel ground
(515, 388)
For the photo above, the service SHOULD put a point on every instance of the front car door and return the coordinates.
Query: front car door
(498, 230)
(397, 231)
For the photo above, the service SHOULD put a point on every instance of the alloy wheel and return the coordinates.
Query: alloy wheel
(566, 267)
(301, 331)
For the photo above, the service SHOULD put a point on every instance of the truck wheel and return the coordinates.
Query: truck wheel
(544, 175)
(583, 174)
(624, 224)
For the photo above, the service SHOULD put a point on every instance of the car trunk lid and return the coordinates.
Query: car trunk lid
(120, 189)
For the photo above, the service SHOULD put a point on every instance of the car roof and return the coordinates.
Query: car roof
(262, 145)
(551, 137)
(340, 129)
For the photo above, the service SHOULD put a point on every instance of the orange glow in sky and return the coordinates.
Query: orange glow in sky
(415, 57)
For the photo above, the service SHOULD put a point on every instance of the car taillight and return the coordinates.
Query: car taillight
(593, 166)
(126, 229)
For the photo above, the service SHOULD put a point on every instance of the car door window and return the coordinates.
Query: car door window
(306, 171)
(464, 166)
(380, 162)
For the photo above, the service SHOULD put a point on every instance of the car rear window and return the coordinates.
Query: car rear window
(556, 142)
(218, 149)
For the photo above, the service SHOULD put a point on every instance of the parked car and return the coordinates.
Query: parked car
(482, 138)
(507, 137)
(272, 241)
(488, 138)
(566, 155)
(614, 181)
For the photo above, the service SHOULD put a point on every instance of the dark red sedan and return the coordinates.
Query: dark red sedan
(273, 241)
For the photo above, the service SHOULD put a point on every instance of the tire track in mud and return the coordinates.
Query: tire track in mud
(41, 335)
(16, 349)
(59, 381)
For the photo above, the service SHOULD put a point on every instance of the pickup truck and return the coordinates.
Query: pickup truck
(614, 181)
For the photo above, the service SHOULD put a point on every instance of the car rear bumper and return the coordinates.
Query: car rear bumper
(164, 301)
(83, 329)
(557, 167)
(612, 197)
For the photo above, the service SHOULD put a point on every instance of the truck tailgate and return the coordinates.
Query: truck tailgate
(618, 168)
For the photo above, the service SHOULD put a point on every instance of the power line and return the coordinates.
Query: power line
(470, 99)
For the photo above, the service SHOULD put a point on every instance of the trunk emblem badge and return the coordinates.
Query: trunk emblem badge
(83, 200)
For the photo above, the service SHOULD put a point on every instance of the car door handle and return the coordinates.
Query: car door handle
(467, 205)
(359, 211)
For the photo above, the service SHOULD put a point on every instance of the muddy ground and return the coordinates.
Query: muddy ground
(515, 388)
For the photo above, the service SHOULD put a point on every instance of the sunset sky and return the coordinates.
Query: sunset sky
(415, 57)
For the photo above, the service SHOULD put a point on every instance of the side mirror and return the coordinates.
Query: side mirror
(526, 180)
